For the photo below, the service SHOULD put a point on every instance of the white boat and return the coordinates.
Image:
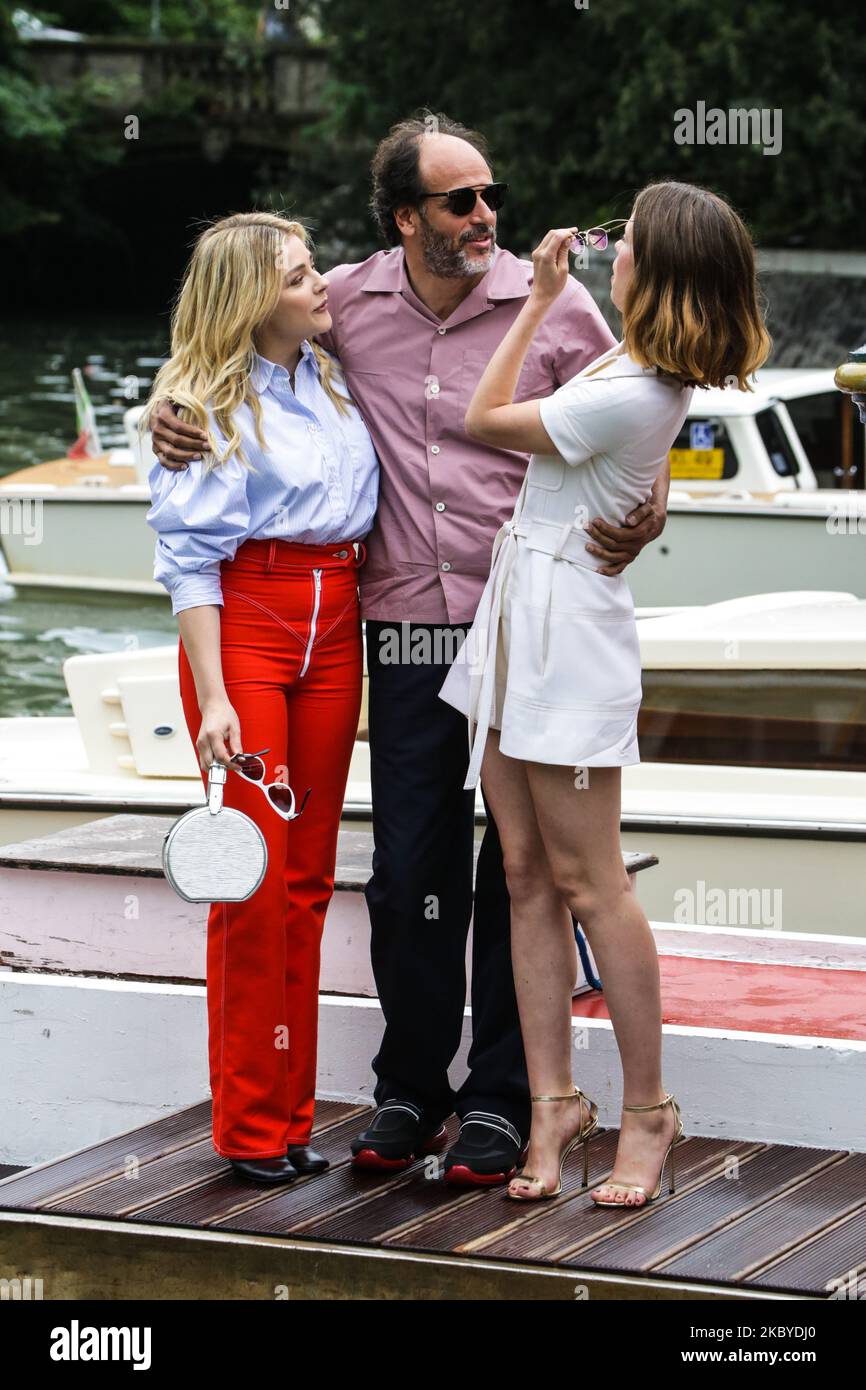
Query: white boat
(745, 511)
(79, 522)
(753, 734)
(825, 425)
(125, 748)
(746, 514)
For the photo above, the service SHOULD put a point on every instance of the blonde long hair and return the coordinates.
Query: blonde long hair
(693, 308)
(230, 288)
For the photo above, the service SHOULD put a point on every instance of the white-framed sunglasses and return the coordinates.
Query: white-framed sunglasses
(279, 794)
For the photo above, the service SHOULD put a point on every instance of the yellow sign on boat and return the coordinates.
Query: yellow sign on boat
(697, 463)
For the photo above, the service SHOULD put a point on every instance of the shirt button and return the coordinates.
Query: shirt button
(440, 506)
(341, 554)
(434, 389)
(446, 565)
(441, 330)
(434, 448)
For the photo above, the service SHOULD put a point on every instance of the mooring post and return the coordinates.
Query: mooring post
(851, 378)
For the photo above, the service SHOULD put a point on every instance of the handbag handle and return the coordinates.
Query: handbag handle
(216, 777)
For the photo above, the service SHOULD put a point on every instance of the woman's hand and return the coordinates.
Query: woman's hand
(219, 737)
(550, 262)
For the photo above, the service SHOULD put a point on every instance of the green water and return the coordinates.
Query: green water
(39, 629)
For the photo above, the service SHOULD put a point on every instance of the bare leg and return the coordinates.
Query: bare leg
(580, 831)
(544, 961)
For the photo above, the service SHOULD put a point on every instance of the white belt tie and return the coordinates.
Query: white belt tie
(481, 682)
(566, 542)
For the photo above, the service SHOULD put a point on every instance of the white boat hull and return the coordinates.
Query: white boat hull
(710, 552)
(786, 848)
(82, 540)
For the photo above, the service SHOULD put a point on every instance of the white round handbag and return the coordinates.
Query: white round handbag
(214, 853)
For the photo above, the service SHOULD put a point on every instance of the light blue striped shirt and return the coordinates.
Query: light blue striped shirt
(317, 483)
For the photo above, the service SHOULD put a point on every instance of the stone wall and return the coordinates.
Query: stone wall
(816, 304)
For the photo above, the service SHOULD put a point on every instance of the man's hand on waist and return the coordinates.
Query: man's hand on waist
(617, 546)
(175, 443)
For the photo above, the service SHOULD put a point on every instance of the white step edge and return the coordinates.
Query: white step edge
(86, 1059)
(812, 950)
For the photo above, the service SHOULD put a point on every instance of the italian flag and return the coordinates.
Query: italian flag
(88, 444)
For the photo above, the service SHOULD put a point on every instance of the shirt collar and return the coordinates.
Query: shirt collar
(264, 370)
(507, 278)
(625, 364)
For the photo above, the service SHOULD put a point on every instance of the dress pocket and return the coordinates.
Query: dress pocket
(546, 471)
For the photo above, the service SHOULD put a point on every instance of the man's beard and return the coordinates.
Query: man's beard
(442, 258)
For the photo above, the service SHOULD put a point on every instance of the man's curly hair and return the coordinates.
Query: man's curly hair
(395, 166)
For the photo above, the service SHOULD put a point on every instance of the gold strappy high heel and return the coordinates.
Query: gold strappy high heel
(678, 1138)
(582, 1137)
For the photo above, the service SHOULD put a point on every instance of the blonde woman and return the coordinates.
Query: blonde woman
(552, 678)
(256, 545)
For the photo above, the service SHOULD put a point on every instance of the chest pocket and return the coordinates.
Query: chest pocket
(471, 371)
(546, 471)
(532, 383)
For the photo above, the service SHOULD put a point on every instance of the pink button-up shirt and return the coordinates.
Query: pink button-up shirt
(442, 495)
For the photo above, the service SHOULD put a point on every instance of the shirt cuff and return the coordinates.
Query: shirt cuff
(194, 590)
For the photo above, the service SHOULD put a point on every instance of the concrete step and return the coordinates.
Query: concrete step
(92, 899)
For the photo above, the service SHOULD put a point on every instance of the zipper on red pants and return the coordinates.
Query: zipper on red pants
(317, 592)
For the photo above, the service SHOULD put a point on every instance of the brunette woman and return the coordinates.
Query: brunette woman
(552, 683)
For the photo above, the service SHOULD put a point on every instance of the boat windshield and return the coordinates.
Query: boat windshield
(795, 719)
(832, 437)
(776, 443)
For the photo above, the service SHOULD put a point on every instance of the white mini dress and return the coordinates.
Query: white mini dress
(552, 659)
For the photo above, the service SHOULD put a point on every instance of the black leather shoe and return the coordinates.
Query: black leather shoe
(396, 1136)
(486, 1151)
(306, 1160)
(264, 1169)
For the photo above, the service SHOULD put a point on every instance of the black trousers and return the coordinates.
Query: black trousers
(420, 896)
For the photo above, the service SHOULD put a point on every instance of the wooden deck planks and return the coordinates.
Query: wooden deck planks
(749, 1215)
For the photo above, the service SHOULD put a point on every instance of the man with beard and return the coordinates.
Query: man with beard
(414, 327)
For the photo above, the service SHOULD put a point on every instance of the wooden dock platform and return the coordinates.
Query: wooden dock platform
(156, 1213)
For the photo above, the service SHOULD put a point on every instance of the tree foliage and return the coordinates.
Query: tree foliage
(51, 141)
(179, 19)
(579, 104)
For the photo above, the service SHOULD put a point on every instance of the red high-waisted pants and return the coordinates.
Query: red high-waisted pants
(292, 665)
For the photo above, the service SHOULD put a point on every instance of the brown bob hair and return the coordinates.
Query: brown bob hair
(692, 307)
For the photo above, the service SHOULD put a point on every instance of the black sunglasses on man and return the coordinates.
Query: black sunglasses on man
(461, 201)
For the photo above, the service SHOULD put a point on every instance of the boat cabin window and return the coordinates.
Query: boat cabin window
(832, 436)
(702, 451)
(776, 443)
(742, 718)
